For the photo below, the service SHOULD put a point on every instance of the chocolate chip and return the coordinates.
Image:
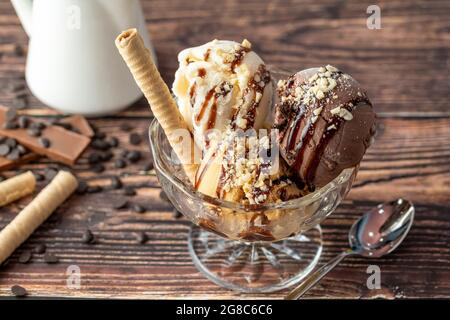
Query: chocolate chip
(11, 114)
(18, 51)
(163, 196)
(116, 183)
(13, 155)
(50, 173)
(98, 168)
(18, 291)
(11, 142)
(40, 248)
(135, 139)
(119, 163)
(94, 189)
(21, 94)
(125, 127)
(37, 125)
(88, 237)
(38, 176)
(113, 142)
(22, 150)
(25, 257)
(120, 204)
(99, 135)
(177, 214)
(34, 132)
(20, 103)
(82, 187)
(64, 125)
(148, 167)
(106, 156)
(23, 122)
(50, 258)
(100, 144)
(141, 237)
(4, 149)
(129, 191)
(9, 125)
(134, 156)
(94, 157)
(14, 87)
(44, 142)
(124, 153)
(138, 208)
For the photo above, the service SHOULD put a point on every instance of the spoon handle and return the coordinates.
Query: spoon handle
(311, 280)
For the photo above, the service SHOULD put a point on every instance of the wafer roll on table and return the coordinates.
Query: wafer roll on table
(163, 105)
(17, 187)
(33, 215)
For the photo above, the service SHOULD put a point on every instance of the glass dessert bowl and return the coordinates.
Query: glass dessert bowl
(249, 248)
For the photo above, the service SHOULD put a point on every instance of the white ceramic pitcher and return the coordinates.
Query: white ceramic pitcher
(73, 64)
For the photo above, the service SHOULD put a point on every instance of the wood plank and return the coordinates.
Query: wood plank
(410, 158)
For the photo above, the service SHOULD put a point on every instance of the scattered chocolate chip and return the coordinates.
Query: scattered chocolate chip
(88, 237)
(138, 208)
(106, 156)
(11, 142)
(13, 155)
(120, 204)
(163, 196)
(125, 127)
(99, 135)
(50, 258)
(135, 139)
(50, 173)
(44, 142)
(94, 157)
(116, 183)
(100, 144)
(113, 142)
(25, 257)
(9, 125)
(98, 168)
(141, 237)
(82, 187)
(18, 291)
(22, 150)
(4, 149)
(37, 125)
(64, 125)
(177, 214)
(18, 51)
(20, 103)
(34, 132)
(129, 191)
(11, 114)
(23, 122)
(134, 156)
(94, 189)
(148, 167)
(119, 163)
(40, 248)
(20, 94)
(39, 177)
(14, 87)
(124, 153)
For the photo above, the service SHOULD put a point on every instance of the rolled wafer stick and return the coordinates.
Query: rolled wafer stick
(17, 187)
(164, 108)
(39, 209)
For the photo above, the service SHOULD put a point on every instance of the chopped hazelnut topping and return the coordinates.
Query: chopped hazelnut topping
(317, 111)
(246, 44)
(335, 110)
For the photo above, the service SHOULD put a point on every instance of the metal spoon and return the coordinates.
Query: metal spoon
(375, 234)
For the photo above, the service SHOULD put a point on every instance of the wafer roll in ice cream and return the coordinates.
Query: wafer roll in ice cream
(326, 123)
(220, 83)
(164, 108)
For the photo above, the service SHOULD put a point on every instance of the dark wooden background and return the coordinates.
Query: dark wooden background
(405, 67)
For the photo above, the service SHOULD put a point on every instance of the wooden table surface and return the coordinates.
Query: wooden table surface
(404, 66)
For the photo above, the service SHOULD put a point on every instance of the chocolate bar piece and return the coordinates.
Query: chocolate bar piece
(6, 164)
(53, 141)
(80, 124)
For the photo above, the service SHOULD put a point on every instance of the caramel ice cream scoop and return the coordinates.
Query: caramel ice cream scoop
(325, 121)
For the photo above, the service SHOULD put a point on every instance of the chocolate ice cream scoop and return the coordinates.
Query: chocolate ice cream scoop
(325, 122)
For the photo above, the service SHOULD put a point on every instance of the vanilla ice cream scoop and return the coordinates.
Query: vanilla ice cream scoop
(222, 83)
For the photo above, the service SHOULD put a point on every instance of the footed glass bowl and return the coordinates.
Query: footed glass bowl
(257, 248)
